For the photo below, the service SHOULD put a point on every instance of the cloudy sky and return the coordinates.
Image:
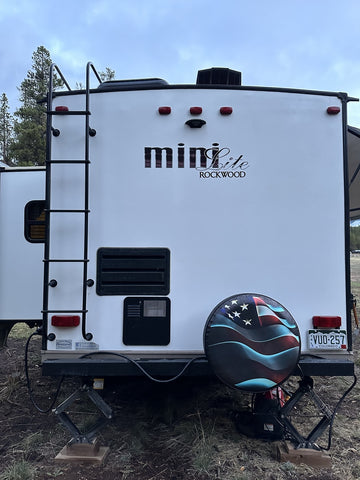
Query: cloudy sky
(311, 44)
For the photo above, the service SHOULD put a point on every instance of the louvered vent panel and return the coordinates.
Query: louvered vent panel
(133, 271)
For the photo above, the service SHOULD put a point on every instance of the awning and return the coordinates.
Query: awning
(354, 171)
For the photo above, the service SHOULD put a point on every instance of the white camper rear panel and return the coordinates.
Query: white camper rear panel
(271, 221)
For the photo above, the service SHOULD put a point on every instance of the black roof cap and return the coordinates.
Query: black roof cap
(135, 84)
(218, 76)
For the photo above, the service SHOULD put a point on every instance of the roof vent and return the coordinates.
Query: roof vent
(218, 76)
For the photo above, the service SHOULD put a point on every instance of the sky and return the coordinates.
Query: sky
(306, 44)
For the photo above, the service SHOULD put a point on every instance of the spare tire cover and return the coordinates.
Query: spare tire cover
(252, 342)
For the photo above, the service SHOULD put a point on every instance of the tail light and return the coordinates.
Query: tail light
(65, 320)
(326, 322)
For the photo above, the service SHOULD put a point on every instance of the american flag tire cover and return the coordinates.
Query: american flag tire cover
(252, 342)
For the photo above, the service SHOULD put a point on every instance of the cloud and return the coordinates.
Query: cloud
(343, 69)
(138, 15)
(287, 44)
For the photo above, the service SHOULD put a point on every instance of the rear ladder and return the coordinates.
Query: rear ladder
(50, 132)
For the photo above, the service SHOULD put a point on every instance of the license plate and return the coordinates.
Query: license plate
(327, 339)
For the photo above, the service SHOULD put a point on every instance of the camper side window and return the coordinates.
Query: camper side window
(34, 230)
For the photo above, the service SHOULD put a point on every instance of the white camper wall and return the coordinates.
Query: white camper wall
(21, 266)
(277, 229)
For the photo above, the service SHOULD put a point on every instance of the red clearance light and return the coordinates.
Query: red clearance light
(195, 110)
(326, 322)
(164, 110)
(226, 110)
(333, 110)
(65, 320)
(61, 108)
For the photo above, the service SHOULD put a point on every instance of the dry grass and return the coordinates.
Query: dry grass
(182, 431)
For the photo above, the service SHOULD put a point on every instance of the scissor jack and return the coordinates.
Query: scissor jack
(83, 447)
(304, 449)
(305, 388)
(270, 419)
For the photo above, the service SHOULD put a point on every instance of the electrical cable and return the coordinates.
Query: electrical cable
(150, 377)
(335, 410)
(134, 362)
(157, 380)
(28, 382)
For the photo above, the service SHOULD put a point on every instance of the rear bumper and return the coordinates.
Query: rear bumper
(113, 366)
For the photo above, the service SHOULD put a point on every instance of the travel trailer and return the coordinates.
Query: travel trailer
(185, 229)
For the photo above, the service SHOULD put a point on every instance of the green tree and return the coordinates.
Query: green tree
(29, 146)
(355, 238)
(109, 74)
(6, 129)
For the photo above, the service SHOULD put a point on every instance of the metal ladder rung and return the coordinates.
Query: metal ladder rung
(59, 260)
(66, 211)
(64, 311)
(68, 161)
(70, 112)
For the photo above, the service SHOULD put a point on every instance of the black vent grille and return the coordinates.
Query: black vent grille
(133, 271)
(218, 76)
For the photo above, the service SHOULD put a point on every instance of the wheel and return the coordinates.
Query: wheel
(252, 342)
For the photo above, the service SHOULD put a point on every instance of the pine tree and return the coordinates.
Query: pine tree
(355, 238)
(109, 74)
(29, 144)
(6, 129)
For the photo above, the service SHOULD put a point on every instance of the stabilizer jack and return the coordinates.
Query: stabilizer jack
(83, 447)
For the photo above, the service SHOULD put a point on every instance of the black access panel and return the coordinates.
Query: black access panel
(146, 321)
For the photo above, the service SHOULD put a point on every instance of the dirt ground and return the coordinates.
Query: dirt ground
(184, 430)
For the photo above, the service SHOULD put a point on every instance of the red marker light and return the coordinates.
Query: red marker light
(333, 110)
(195, 110)
(164, 110)
(226, 110)
(326, 322)
(61, 108)
(65, 320)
